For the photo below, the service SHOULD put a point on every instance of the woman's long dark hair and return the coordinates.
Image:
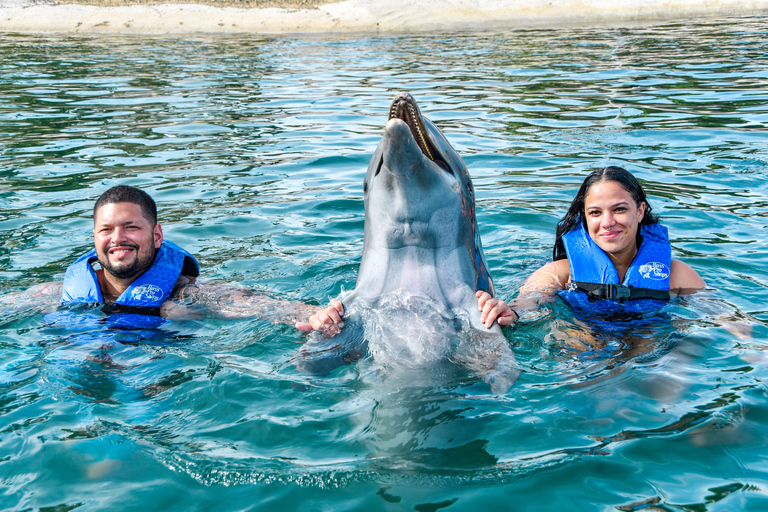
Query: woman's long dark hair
(575, 213)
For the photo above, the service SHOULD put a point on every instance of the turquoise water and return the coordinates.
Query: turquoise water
(255, 149)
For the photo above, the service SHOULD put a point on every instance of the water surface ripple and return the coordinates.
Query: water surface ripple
(255, 149)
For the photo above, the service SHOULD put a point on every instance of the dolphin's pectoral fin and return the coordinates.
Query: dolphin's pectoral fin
(320, 355)
(490, 356)
(501, 380)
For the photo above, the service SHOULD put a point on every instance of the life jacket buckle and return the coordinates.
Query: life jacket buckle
(619, 292)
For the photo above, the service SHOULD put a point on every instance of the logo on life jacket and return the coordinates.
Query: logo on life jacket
(654, 270)
(147, 292)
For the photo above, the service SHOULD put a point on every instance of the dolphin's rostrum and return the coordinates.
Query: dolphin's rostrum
(414, 304)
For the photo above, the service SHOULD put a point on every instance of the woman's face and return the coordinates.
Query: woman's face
(613, 218)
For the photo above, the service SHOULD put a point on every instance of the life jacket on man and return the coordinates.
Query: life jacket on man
(143, 297)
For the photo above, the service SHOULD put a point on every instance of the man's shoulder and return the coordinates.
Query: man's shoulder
(182, 283)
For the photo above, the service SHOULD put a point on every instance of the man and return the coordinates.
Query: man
(133, 269)
(131, 264)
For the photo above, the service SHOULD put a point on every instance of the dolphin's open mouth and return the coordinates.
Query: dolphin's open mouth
(404, 108)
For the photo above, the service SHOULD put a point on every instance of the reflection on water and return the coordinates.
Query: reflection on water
(255, 150)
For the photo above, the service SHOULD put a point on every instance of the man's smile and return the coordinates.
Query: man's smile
(123, 250)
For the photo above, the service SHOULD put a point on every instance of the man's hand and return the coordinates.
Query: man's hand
(492, 309)
(327, 320)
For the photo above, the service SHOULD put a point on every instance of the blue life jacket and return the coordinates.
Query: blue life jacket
(134, 325)
(150, 290)
(595, 285)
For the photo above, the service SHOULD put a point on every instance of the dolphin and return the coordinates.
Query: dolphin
(414, 303)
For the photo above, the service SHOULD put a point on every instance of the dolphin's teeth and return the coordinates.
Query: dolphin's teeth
(424, 143)
(411, 116)
(417, 124)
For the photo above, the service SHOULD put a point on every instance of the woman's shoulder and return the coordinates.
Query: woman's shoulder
(682, 278)
(562, 268)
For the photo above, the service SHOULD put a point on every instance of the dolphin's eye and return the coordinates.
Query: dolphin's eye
(378, 169)
(365, 186)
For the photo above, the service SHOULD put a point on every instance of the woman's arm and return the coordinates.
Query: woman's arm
(541, 286)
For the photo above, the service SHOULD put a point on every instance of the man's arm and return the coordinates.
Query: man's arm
(42, 298)
(328, 320)
(227, 301)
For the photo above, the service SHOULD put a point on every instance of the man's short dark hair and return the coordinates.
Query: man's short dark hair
(128, 194)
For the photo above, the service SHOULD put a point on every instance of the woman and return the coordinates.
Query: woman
(610, 253)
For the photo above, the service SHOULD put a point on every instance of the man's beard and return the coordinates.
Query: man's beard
(132, 270)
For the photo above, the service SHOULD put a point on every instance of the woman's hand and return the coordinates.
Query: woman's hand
(492, 309)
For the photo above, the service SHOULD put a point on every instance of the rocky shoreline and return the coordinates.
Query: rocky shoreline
(323, 16)
(240, 4)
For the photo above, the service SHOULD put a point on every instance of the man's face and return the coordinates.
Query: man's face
(126, 242)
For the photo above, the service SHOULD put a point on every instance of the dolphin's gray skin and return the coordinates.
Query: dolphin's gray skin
(414, 303)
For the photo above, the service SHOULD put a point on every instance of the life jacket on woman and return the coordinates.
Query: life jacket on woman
(594, 285)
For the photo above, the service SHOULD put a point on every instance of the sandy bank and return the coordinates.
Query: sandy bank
(317, 16)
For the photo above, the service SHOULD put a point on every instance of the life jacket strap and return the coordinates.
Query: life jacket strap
(111, 309)
(598, 291)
